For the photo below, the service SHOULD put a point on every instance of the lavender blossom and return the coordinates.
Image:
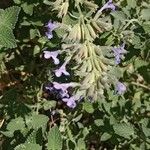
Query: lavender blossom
(108, 5)
(52, 55)
(70, 102)
(62, 70)
(118, 53)
(120, 88)
(50, 27)
(63, 86)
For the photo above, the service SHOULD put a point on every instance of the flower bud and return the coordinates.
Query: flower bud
(91, 31)
(63, 9)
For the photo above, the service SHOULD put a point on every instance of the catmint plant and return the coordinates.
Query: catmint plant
(93, 63)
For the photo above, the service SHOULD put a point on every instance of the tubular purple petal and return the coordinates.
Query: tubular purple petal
(120, 88)
(70, 102)
(50, 27)
(62, 70)
(118, 53)
(53, 55)
(108, 5)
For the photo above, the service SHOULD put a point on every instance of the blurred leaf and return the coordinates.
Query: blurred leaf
(37, 121)
(124, 130)
(146, 26)
(99, 122)
(76, 119)
(105, 136)
(54, 139)
(139, 63)
(81, 144)
(49, 104)
(87, 106)
(119, 15)
(28, 8)
(145, 14)
(16, 124)
(131, 3)
(28, 146)
(34, 33)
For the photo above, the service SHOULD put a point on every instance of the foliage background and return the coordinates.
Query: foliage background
(27, 120)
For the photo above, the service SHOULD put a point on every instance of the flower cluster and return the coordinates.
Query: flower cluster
(62, 88)
(92, 65)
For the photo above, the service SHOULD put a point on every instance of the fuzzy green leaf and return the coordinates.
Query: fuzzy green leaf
(8, 18)
(28, 146)
(16, 124)
(54, 139)
(124, 130)
(37, 121)
(105, 137)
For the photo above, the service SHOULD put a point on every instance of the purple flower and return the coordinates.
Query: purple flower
(120, 88)
(70, 102)
(108, 5)
(62, 70)
(50, 27)
(53, 55)
(63, 86)
(118, 53)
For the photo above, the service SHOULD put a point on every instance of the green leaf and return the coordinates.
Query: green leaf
(131, 3)
(145, 14)
(146, 26)
(37, 121)
(76, 119)
(49, 104)
(81, 144)
(124, 130)
(28, 9)
(28, 146)
(119, 15)
(54, 139)
(99, 122)
(7, 133)
(105, 136)
(87, 106)
(8, 18)
(16, 124)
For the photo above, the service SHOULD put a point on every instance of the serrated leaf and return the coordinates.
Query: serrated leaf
(16, 124)
(8, 18)
(28, 146)
(124, 130)
(32, 137)
(37, 121)
(54, 139)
